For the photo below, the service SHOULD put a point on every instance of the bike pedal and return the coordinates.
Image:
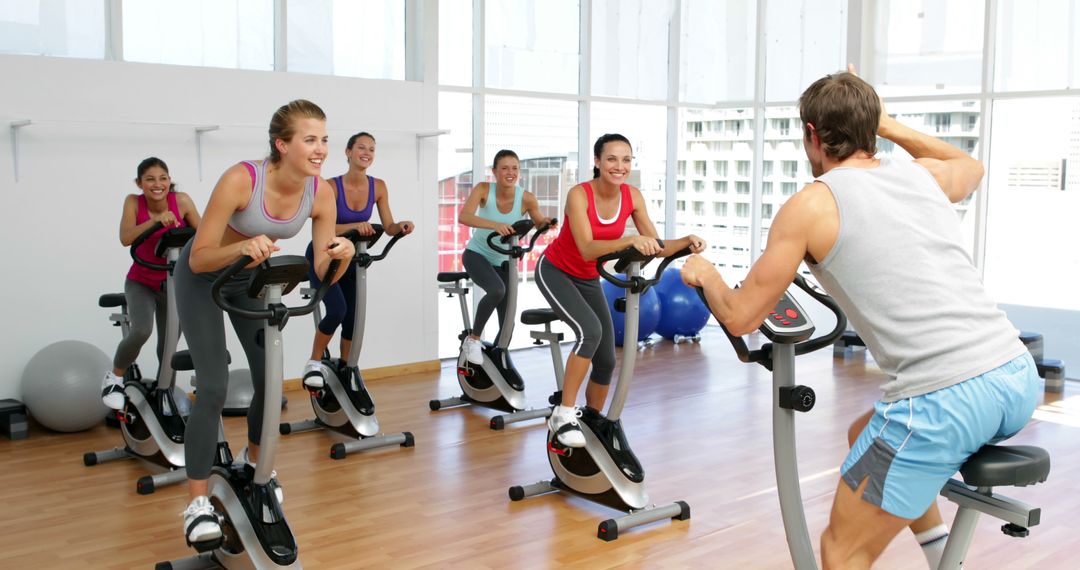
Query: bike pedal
(559, 449)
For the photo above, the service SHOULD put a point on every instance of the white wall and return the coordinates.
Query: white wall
(93, 121)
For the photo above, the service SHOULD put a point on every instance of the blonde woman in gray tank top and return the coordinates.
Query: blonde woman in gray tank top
(254, 204)
(883, 239)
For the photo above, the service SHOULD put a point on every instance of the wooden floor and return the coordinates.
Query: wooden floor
(699, 421)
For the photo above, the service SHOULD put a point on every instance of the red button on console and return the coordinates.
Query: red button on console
(785, 322)
(791, 314)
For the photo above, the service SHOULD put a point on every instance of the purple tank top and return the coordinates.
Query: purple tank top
(152, 278)
(347, 215)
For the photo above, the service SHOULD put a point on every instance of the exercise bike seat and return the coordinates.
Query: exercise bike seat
(538, 316)
(998, 465)
(109, 300)
(181, 360)
(452, 276)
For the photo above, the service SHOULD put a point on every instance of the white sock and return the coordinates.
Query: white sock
(933, 542)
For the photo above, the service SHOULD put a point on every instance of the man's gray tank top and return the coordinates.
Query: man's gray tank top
(254, 220)
(907, 285)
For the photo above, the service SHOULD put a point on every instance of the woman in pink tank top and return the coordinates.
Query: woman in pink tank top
(143, 288)
(596, 216)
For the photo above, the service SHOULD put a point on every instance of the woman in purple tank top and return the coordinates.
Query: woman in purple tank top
(143, 288)
(357, 194)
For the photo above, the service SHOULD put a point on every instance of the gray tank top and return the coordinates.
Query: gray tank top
(907, 285)
(254, 220)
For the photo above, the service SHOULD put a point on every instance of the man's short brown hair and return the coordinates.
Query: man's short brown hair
(845, 111)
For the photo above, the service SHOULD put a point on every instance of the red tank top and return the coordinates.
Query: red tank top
(152, 278)
(564, 253)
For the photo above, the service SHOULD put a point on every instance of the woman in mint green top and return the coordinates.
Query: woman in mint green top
(493, 207)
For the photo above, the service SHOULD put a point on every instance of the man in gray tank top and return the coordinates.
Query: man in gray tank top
(882, 238)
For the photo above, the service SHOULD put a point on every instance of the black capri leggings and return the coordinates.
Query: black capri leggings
(203, 325)
(494, 281)
(582, 305)
(145, 306)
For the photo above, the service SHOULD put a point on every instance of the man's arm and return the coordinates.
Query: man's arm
(957, 173)
(803, 225)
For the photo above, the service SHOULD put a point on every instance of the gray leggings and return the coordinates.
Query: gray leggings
(582, 305)
(203, 324)
(145, 306)
(494, 281)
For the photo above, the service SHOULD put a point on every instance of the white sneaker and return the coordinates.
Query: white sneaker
(112, 391)
(273, 476)
(201, 523)
(563, 423)
(473, 352)
(313, 375)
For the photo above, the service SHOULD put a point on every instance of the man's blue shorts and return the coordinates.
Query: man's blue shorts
(912, 447)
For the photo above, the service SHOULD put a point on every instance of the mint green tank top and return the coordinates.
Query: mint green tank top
(489, 210)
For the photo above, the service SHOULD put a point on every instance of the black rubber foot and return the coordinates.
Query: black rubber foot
(1014, 530)
(163, 566)
(89, 459)
(284, 428)
(497, 423)
(337, 451)
(608, 530)
(145, 485)
(434, 405)
(684, 511)
(517, 493)
(409, 441)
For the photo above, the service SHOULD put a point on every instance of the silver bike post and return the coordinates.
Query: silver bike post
(275, 367)
(360, 311)
(786, 462)
(629, 353)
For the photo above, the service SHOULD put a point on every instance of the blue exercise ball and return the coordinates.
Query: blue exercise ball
(61, 385)
(649, 314)
(681, 310)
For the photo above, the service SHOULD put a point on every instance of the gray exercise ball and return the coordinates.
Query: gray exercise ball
(239, 393)
(61, 385)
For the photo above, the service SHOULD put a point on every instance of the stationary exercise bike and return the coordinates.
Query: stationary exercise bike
(606, 471)
(152, 422)
(788, 327)
(495, 383)
(344, 404)
(255, 533)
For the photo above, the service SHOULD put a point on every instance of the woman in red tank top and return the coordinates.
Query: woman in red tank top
(159, 202)
(596, 216)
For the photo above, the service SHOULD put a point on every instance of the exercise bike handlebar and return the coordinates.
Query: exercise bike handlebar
(764, 354)
(280, 313)
(623, 258)
(355, 237)
(521, 229)
(179, 235)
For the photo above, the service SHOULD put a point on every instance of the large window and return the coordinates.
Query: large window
(456, 42)
(200, 32)
(532, 45)
(344, 37)
(925, 47)
(1038, 45)
(630, 48)
(1034, 189)
(784, 149)
(730, 140)
(717, 51)
(68, 28)
(805, 41)
(455, 175)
